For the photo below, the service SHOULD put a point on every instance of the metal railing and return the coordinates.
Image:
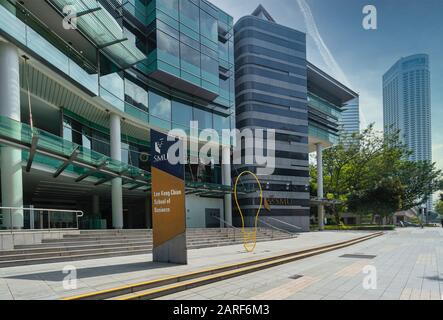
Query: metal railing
(285, 223)
(270, 226)
(38, 218)
(225, 223)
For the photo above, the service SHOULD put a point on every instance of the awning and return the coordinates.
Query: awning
(97, 24)
(61, 155)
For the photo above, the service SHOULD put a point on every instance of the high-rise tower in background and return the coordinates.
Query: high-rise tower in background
(407, 104)
(350, 117)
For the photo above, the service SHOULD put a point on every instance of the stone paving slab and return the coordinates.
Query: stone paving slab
(45, 281)
(408, 263)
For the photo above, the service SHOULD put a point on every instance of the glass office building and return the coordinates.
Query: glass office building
(83, 94)
(277, 88)
(407, 105)
(350, 118)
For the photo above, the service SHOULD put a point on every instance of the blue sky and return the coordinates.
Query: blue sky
(359, 57)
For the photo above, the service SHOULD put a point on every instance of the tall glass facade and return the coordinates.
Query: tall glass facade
(188, 46)
(187, 74)
(271, 92)
(191, 40)
(324, 118)
(189, 69)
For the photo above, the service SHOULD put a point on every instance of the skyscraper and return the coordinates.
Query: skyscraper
(350, 117)
(277, 88)
(407, 105)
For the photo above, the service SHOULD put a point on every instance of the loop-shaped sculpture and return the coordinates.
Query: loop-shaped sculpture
(249, 237)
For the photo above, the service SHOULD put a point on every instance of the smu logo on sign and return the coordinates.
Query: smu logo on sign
(160, 156)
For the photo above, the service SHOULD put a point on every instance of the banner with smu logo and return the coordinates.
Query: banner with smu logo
(168, 203)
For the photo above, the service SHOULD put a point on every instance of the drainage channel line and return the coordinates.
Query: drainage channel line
(173, 284)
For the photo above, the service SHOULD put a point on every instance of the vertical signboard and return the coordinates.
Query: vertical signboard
(168, 203)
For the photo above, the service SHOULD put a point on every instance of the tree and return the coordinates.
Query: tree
(421, 179)
(343, 165)
(384, 199)
(369, 173)
(439, 207)
(356, 164)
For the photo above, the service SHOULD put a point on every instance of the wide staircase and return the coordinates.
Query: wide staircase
(96, 244)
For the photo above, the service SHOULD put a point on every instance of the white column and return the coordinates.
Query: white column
(116, 154)
(11, 158)
(320, 194)
(227, 181)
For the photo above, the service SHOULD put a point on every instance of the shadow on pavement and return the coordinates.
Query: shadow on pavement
(434, 278)
(84, 273)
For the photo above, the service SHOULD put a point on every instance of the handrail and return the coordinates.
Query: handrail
(229, 225)
(42, 211)
(275, 228)
(286, 223)
(260, 220)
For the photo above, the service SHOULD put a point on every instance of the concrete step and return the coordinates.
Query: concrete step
(54, 248)
(96, 244)
(80, 243)
(78, 239)
(128, 231)
(28, 258)
(13, 263)
(56, 254)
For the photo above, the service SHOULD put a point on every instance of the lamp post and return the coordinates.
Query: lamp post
(423, 209)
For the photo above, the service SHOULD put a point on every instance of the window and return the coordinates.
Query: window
(204, 119)
(160, 110)
(169, 47)
(181, 115)
(170, 7)
(189, 14)
(221, 123)
(190, 59)
(67, 130)
(136, 95)
(112, 89)
(223, 49)
(209, 69)
(209, 26)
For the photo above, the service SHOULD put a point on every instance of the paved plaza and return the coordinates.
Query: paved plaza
(407, 263)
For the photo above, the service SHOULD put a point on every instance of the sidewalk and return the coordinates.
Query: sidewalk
(404, 265)
(46, 281)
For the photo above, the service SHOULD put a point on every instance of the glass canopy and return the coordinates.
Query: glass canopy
(101, 27)
(59, 155)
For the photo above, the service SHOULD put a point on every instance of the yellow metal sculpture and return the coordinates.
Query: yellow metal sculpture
(249, 237)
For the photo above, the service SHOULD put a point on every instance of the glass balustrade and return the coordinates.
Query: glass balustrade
(28, 37)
